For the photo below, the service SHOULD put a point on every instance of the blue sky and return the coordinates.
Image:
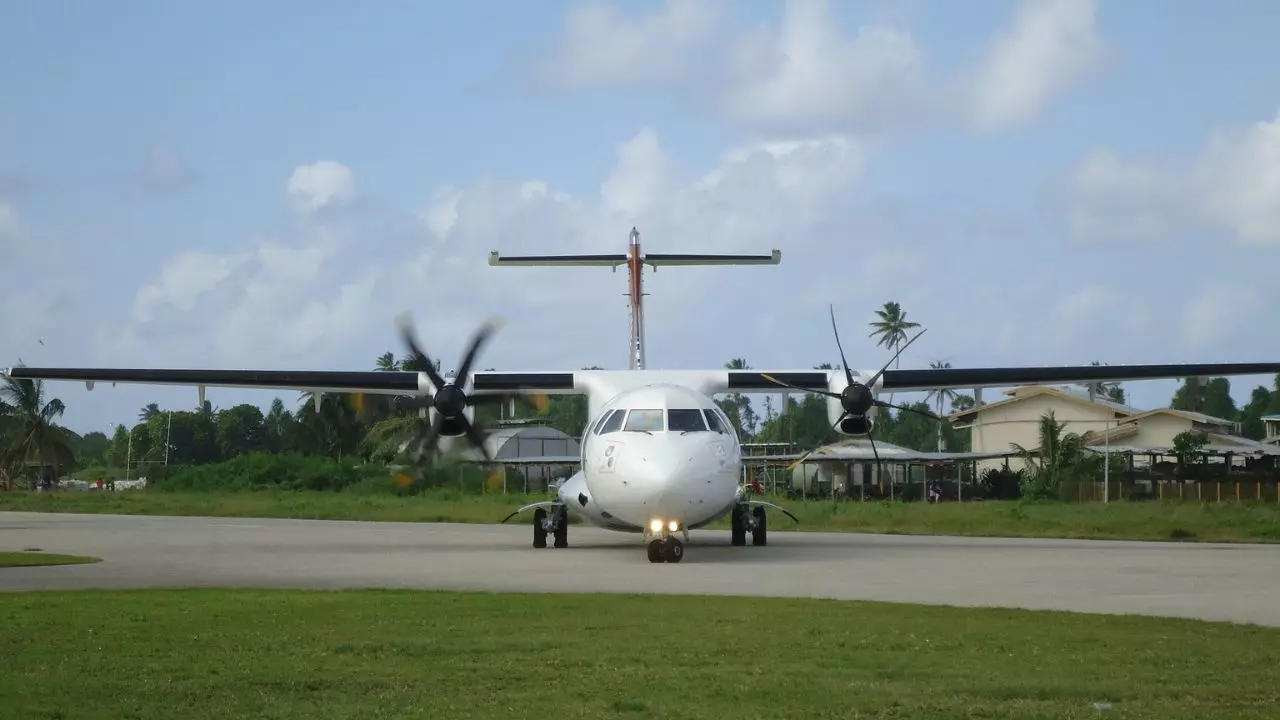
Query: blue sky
(269, 185)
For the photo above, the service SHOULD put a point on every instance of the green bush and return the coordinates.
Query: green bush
(262, 471)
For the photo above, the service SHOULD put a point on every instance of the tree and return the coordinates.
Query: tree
(940, 395)
(1060, 457)
(31, 433)
(1211, 397)
(737, 407)
(1109, 390)
(892, 329)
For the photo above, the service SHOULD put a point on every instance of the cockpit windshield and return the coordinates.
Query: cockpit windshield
(644, 421)
(681, 420)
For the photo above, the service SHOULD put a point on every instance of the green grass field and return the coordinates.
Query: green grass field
(33, 558)
(1150, 520)
(397, 654)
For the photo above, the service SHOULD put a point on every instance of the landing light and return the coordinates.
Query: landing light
(655, 525)
(673, 526)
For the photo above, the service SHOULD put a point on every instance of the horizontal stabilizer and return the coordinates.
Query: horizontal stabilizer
(496, 259)
(665, 259)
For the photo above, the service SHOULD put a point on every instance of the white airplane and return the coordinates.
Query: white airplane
(658, 456)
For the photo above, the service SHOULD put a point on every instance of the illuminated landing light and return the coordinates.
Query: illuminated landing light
(673, 526)
(655, 525)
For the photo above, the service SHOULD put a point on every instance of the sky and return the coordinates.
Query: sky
(269, 185)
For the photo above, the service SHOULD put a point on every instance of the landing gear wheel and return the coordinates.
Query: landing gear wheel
(760, 536)
(562, 528)
(655, 551)
(673, 550)
(738, 533)
(539, 534)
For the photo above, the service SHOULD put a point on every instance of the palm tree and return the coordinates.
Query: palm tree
(31, 433)
(148, 412)
(892, 328)
(940, 395)
(1060, 457)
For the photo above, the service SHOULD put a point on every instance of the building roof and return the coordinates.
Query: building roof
(1219, 444)
(1275, 417)
(859, 449)
(1185, 414)
(1027, 392)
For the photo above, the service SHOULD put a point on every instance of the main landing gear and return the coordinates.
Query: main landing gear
(749, 519)
(555, 522)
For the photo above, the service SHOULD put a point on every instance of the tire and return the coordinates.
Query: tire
(539, 535)
(760, 536)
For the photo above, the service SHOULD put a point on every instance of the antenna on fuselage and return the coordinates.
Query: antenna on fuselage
(635, 260)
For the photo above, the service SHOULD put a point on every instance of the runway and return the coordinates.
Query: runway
(1239, 583)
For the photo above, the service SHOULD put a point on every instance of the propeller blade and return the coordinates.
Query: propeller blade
(876, 454)
(428, 441)
(419, 357)
(481, 336)
(904, 408)
(475, 437)
(776, 381)
(874, 378)
(848, 374)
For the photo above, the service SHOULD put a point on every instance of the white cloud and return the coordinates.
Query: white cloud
(603, 46)
(1051, 46)
(320, 185)
(1231, 187)
(808, 75)
(641, 173)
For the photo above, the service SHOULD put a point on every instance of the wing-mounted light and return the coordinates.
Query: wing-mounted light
(88, 385)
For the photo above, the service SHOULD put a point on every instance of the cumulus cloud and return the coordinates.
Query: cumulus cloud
(1232, 187)
(1051, 46)
(602, 45)
(809, 75)
(1217, 314)
(320, 185)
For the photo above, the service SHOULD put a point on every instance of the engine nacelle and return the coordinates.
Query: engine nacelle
(452, 427)
(856, 426)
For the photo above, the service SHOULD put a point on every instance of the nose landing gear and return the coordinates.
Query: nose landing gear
(667, 549)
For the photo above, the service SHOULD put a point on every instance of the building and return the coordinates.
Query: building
(1153, 432)
(1272, 424)
(1108, 425)
(995, 427)
(542, 453)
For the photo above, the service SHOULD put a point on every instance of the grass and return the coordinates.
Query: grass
(34, 557)
(1147, 520)
(182, 654)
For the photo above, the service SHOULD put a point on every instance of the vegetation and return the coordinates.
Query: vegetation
(34, 558)
(383, 653)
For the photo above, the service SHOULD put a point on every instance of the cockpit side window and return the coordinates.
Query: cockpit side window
(600, 423)
(713, 421)
(681, 420)
(614, 422)
(644, 421)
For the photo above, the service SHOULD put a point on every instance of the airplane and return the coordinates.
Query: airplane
(658, 457)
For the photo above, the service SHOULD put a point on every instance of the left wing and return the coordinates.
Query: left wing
(317, 381)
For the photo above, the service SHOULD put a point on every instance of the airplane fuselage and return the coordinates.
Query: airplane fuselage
(661, 458)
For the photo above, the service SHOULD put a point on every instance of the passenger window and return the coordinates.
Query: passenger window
(614, 422)
(644, 420)
(713, 422)
(685, 421)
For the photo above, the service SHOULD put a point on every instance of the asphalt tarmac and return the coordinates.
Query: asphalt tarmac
(1239, 583)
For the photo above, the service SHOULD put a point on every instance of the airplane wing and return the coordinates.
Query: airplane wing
(963, 378)
(317, 381)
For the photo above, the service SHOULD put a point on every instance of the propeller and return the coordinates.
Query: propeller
(857, 398)
(450, 399)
